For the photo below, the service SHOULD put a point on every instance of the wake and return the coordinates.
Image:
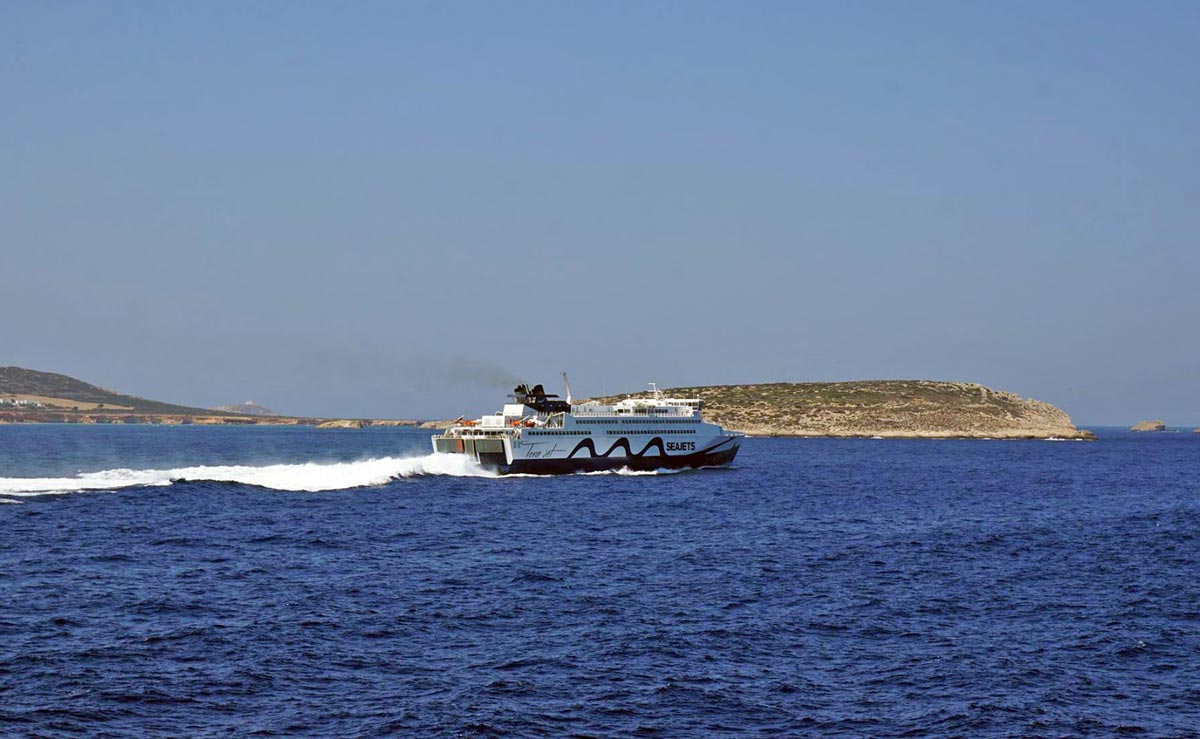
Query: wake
(309, 477)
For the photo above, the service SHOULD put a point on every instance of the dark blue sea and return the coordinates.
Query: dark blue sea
(818, 588)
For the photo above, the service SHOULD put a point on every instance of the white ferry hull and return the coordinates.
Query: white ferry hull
(621, 456)
(497, 455)
(539, 435)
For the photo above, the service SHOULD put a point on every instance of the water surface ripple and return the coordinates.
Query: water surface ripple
(822, 587)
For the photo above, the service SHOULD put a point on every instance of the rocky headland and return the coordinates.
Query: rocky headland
(363, 423)
(880, 408)
(1148, 426)
(31, 396)
(249, 408)
(43, 415)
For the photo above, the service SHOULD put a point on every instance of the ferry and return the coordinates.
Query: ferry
(538, 433)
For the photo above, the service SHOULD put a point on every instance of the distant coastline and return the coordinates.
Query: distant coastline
(31, 396)
(867, 409)
(129, 419)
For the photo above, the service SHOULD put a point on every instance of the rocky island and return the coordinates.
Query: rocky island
(879, 408)
(1148, 426)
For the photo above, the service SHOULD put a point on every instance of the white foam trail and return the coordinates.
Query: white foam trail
(306, 477)
(623, 471)
(626, 472)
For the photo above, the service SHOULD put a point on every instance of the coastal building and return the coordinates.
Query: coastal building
(21, 403)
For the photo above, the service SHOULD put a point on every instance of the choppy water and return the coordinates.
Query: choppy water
(821, 587)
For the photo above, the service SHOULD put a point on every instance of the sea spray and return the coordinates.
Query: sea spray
(304, 477)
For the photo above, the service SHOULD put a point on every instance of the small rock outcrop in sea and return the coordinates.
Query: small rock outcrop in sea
(343, 423)
(881, 408)
(1142, 426)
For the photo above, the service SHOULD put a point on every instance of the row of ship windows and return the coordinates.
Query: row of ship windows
(610, 421)
(613, 432)
(558, 433)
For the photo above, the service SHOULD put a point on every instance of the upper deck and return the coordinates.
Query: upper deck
(533, 408)
(638, 407)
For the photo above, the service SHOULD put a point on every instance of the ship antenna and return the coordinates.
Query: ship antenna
(568, 384)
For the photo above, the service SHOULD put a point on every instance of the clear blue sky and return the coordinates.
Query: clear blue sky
(391, 209)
